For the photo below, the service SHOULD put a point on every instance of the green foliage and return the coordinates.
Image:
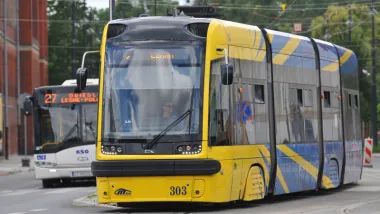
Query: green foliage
(360, 43)
(60, 47)
(262, 13)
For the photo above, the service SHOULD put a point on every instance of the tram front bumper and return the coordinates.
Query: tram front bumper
(162, 180)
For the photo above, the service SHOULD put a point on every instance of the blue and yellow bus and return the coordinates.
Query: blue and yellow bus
(208, 110)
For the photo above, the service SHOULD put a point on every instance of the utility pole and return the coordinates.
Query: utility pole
(73, 38)
(155, 7)
(374, 97)
(84, 25)
(349, 22)
(112, 8)
(5, 80)
(91, 20)
(19, 77)
(327, 35)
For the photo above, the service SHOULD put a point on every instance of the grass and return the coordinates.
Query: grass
(91, 196)
(376, 149)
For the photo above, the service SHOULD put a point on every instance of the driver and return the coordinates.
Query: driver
(169, 116)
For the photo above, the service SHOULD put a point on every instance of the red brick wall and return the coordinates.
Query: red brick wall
(33, 61)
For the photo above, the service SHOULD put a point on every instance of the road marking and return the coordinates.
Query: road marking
(364, 189)
(6, 191)
(65, 190)
(373, 176)
(346, 209)
(38, 210)
(21, 192)
(18, 213)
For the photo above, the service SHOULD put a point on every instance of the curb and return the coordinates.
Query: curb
(85, 202)
(6, 173)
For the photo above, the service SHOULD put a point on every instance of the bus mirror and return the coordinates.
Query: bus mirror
(28, 106)
(227, 73)
(81, 78)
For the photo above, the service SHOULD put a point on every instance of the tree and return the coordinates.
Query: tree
(59, 30)
(360, 43)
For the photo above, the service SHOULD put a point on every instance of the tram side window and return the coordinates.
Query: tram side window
(259, 94)
(299, 97)
(350, 100)
(219, 111)
(356, 101)
(327, 100)
(334, 99)
(308, 98)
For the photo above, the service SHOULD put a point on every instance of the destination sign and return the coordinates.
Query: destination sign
(67, 98)
(160, 56)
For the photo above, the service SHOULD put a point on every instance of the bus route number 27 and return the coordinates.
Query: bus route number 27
(178, 190)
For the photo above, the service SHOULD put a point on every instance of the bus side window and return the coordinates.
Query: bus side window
(219, 122)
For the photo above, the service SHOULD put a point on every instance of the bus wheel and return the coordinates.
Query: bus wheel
(48, 183)
(255, 185)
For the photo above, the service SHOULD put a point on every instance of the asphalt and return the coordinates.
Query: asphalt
(20, 193)
(360, 197)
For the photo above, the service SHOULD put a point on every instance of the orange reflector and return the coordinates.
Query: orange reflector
(340, 98)
(240, 90)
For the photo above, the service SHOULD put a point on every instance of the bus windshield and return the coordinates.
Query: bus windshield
(64, 121)
(149, 85)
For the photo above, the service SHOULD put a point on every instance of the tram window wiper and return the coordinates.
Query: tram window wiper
(178, 120)
(163, 132)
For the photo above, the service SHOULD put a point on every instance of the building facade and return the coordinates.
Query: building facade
(30, 16)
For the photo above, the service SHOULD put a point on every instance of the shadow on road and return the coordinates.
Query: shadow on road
(72, 183)
(191, 207)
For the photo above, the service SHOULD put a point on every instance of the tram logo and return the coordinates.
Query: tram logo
(148, 151)
(122, 191)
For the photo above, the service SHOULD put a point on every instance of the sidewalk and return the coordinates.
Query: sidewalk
(13, 165)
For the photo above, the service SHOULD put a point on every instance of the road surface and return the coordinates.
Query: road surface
(22, 194)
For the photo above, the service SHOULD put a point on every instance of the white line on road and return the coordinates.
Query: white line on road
(65, 190)
(18, 213)
(346, 209)
(22, 192)
(364, 189)
(373, 176)
(38, 210)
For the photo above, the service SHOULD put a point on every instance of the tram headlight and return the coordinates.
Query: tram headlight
(190, 149)
(112, 149)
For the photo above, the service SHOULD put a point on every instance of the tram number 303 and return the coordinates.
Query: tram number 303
(178, 190)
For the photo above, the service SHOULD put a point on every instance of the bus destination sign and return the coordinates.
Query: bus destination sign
(67, 98)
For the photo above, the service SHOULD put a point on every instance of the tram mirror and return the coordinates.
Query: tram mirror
(28, 106)
(227, 73)
(81, 78)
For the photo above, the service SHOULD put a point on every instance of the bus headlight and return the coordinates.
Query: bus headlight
(190, 149)
(45, 164)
